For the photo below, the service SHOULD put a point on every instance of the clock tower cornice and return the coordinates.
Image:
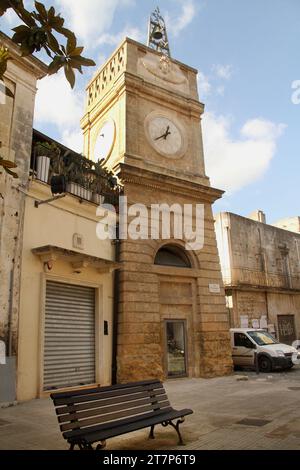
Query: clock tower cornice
(167, 183)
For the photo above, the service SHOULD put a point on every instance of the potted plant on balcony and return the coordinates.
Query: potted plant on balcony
(57, 172)
(78, 174)
(43, 152)
(98, 182)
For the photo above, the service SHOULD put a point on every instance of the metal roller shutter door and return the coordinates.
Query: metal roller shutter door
(69, 346)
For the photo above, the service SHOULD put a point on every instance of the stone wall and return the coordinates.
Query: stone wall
(152, 294)
(261, 270)
(16, 118)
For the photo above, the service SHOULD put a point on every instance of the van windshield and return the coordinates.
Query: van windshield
(262, 337)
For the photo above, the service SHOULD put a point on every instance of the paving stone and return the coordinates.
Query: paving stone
(218, 404)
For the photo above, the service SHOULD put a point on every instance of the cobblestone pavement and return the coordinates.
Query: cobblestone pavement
(219, 404)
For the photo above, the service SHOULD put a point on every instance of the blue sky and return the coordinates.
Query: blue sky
(248, 55)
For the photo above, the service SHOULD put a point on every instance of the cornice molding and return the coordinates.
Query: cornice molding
(167, 183)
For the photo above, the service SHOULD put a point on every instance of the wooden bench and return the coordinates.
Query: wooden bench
(93, 415)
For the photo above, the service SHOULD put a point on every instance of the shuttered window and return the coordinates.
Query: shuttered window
(69, 346)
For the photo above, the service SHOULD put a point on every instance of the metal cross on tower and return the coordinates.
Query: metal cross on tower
(157, 33)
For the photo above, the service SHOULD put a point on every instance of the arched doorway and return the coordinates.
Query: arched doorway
(172, 255)
(175, 321)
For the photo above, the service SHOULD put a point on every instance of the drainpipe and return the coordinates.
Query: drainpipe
(10, 312)
(116, 295)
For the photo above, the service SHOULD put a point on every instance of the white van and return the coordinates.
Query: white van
(271, 354)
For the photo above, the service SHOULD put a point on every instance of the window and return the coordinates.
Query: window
(171, 255)
(241, 340)
(176, 348)
(262, 337)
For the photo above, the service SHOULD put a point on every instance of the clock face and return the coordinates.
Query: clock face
(164, 135)
(105, 140)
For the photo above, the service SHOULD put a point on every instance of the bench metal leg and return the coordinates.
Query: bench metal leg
(151, 434)
(176, 427)
(101, 446)
(72, 446)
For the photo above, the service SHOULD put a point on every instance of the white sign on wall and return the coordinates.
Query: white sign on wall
(255, 323)
(2, 353)
(263, 322)
(244, 320)
(214, 288)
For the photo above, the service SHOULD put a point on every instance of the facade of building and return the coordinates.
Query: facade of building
(16, 117)
(261, 273)
(91, 311)
(66, 298)
(143, 116)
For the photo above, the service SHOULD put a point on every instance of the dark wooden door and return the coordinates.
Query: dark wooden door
(286, 328)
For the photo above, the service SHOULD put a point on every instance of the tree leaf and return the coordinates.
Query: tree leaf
(53, 43)
(41, 9)
(51, 12)
(56, 64)
(75, 52)
(83, 61)
(7, 163)
(4, 6)
(66, 32)
(26, 16)
(70, 75)
(12, 173)
(75, 66)
(71, 43)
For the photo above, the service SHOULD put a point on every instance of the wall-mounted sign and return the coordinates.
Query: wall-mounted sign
(263, 323)
(255, 323)
(244, 321)
(214, 288)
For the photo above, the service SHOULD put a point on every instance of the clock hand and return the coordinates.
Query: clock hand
(160, 137)
(167, 133)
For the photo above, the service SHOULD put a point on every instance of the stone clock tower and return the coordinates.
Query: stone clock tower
(143, 116)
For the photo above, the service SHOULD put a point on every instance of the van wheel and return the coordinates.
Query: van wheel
(265, 364)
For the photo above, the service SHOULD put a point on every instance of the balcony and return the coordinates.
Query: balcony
(70, 172)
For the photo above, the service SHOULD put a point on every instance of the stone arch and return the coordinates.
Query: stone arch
(174, 254)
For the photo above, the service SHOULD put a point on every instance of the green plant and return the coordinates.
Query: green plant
(38, 31)
(45, 149)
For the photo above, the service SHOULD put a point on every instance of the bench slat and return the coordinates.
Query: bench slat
(62, 410)
(106, 426)
(114, 408)
(109, 417)
(112, 429)
(77, 392)
(98, 395)
(145, 423)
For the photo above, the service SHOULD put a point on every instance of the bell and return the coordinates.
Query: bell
(157, 33)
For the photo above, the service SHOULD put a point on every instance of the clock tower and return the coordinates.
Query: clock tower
(143, 116)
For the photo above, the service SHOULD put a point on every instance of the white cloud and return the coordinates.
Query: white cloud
(73, 139)
(57, 103)
(234, 163)
(89, 19)
(176, 24)
(115, 39)
(223, 71)
(204, 85)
